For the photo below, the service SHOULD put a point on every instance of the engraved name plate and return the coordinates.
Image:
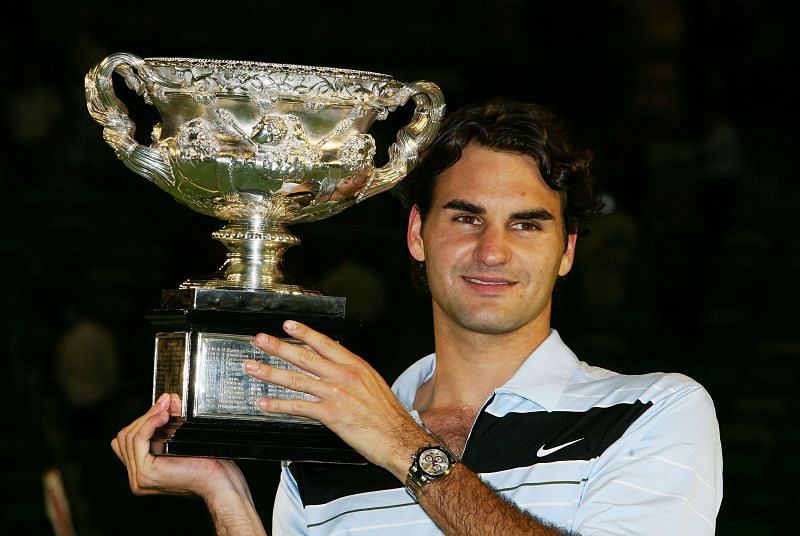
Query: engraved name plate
(224, 390)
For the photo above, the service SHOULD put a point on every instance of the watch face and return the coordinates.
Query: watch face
(434, 462)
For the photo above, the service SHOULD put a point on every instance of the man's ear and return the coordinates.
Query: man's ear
(568, 257)
(414, 235)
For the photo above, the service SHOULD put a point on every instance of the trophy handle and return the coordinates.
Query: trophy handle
(411, 139)
(118, 129)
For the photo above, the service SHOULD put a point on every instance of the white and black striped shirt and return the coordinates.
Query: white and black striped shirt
(583, 448)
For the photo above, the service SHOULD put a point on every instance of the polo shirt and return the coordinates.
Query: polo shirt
(582, 448)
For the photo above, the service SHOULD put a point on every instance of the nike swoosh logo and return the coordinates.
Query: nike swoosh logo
(544, 452)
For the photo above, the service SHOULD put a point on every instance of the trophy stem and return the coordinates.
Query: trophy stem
(255, 251)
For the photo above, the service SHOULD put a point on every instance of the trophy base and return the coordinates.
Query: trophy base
(204, 336)
(252, 441)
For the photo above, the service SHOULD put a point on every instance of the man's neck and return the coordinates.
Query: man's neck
(469, 365)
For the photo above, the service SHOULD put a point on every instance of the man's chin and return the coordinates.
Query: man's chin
(490, 325)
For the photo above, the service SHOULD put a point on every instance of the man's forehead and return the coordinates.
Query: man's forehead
(478, 156)
(483, 171)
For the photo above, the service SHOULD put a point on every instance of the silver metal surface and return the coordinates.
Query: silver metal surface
(260, 146)
(257, 301)
(170, 371)
(216, 377)
(222, 389)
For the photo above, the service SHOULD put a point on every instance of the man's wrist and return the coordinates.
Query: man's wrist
(430, 464)
(404, 453)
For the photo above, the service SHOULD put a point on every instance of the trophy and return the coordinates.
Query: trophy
(260, 146)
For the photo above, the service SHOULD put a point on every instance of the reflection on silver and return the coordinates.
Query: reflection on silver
(223, 389)
(171, 364)
(260, 146)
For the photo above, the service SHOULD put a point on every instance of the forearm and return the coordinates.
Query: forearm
(233, 512)
(462, 504)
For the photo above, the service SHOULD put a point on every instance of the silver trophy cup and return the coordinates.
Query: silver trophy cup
(260, 146)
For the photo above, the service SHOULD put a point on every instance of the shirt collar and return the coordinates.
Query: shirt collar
(544, 375)
(406, 385)
(541, 378)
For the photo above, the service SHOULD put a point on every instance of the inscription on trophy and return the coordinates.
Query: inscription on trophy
(222, 387)
(171, 360)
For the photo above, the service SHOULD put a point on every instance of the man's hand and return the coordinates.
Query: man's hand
(148, 474)
(219, 482)
(354, 401)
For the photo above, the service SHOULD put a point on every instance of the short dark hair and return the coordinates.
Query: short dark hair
(514, 127)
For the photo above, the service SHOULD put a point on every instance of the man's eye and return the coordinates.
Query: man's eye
(526, 226)
(469, 219)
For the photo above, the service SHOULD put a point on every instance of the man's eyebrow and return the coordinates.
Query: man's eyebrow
(466, 206)
(536, 214)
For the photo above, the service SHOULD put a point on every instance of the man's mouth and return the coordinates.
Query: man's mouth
(487, 282)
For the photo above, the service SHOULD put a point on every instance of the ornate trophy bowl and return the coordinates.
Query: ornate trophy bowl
(260, 146)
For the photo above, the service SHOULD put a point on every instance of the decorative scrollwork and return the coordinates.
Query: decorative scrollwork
(196, 140)
(204, 80)
(357, 152)
(271, 129)
(261, 145)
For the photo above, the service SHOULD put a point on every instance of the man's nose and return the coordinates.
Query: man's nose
(493, 248)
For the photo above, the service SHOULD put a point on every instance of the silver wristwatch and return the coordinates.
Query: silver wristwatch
(431, 462)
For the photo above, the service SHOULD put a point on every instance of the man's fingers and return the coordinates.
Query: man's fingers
(115, 448)
(302, 408)
(161, 403)
(297, 354)
(175, 405)
(159, 408)
(139, 442)
(133, 442)
(145, 432)
(296, 381)
(320, 343)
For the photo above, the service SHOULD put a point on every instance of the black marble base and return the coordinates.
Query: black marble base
(251, 441)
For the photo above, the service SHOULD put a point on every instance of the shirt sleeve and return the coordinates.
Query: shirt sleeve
(662, 477)
(288, 514)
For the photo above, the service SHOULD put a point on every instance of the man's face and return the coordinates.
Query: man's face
(493, 243)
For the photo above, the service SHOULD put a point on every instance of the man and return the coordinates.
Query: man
(502, 430)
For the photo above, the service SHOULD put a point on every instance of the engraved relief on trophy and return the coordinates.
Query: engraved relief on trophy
(233, 127)
(261, 145)
(310, 151)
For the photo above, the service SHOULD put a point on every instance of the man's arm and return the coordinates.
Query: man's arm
(233, 511)
(219, 483)
(357, 404)
(463, 504)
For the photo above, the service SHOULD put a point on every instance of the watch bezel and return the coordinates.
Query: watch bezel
(436, 467)
(418, 477)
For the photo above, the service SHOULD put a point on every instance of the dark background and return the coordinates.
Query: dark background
(688, 107)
